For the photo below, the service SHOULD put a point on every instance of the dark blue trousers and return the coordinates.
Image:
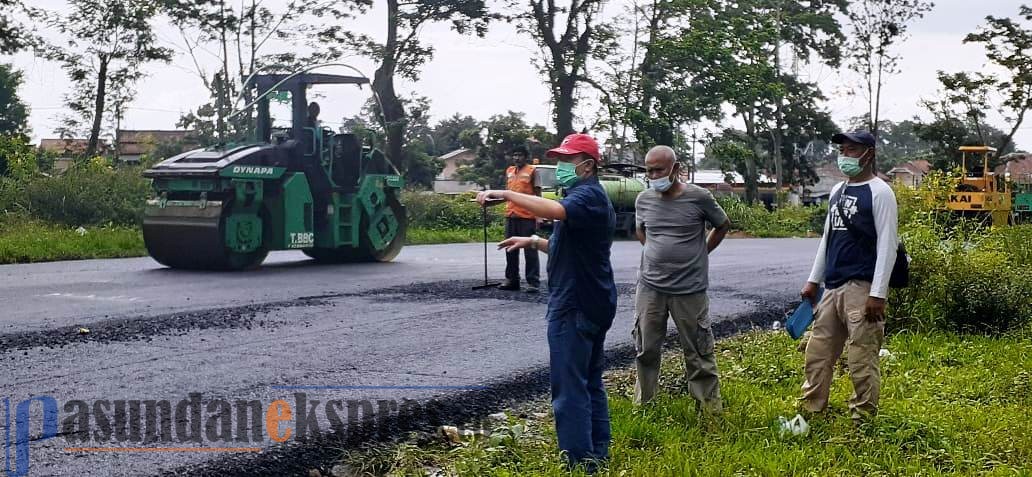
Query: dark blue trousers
(576, 359)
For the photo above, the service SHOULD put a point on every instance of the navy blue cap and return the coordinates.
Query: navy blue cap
(859, 137)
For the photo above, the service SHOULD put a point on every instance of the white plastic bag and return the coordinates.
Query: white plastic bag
(797, 426)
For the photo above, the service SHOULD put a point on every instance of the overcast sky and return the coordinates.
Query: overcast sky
(482, 77)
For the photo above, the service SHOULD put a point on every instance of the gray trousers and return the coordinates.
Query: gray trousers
(691, 316)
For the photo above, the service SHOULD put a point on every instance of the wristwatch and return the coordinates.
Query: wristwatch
(534, 241)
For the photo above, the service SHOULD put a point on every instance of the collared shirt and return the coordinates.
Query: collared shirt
(580, 274)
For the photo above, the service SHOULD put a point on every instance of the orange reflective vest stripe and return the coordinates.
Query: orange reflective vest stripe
(521, 181)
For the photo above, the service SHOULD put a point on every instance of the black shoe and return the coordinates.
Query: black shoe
(509, 286)
(531, 289)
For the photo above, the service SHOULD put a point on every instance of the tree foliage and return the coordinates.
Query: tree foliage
(402, 54)
(105, 45)
(503, 133)
(567, 36)
(13, 36)
(1007, 45)
(876, 27)
(245, 38)
(13, 112)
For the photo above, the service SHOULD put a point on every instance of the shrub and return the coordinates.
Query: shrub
(788, 221)
(964, 277)
(89, 193)
(444, 212)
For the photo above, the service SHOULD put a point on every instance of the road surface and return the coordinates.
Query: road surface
(91, 333)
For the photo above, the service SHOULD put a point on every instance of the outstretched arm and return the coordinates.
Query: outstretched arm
(539, 206)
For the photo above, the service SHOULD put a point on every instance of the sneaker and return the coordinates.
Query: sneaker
(508, 285)
(531, 289)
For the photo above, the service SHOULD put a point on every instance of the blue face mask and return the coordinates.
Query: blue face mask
(566, 174)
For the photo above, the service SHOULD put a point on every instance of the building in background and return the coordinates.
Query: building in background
(1018, 168)
(910, 173)
(131, 145)
(446, 182)
(64, 151)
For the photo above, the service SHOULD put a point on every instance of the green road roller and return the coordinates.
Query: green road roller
(305, 187)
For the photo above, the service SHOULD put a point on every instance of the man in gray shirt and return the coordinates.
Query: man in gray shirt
(671, 221)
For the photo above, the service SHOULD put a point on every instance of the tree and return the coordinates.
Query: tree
(417, 156)
(1007, 45)
(13, 112)
(565, 53)
(503, 133)
(898, 142)
(966, 95)
(665, 90)
(239, 35)
(807, 130)
(743, 45)
(108, 42)
(958, 118)
(12, 35)
(946, 135)
(456, 132)
(402, 54)
(877, 26)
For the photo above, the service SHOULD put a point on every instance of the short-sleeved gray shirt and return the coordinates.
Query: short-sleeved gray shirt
(675, 259)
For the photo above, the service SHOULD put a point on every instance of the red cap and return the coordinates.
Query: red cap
(575, 144)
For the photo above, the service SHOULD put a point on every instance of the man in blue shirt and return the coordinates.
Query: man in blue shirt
(854, 261)
(582, 295)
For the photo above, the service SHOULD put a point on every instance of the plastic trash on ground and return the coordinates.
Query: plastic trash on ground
(797, 426)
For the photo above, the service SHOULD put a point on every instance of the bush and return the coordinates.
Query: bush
(788, 221)
(89, 193)
(964, 277)
(444, 212)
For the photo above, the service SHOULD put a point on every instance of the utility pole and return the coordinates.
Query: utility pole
(695, 138)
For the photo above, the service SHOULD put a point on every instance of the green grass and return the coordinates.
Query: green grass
(26, 241)
(425, 236)
(30, 241)
(951, 405)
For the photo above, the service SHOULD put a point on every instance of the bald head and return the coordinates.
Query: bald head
(663, 154)
(660, 162)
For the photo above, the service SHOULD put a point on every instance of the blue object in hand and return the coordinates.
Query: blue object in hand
(803, 316)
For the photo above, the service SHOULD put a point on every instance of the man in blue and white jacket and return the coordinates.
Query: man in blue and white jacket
(855, 266)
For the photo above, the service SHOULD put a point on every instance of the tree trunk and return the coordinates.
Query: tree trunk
(393, 117)
(877, 99)
(98, 108)
(392, 110)
(564, 102)
(751, 175)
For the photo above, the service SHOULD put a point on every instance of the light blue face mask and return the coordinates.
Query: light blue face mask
(661, 185)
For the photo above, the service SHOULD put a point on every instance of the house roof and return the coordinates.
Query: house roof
(455, 153)
(64, 146)
(1019, 169)
(918, 167)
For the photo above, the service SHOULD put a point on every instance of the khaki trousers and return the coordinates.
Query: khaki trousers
(840, 322)
(691, 316)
